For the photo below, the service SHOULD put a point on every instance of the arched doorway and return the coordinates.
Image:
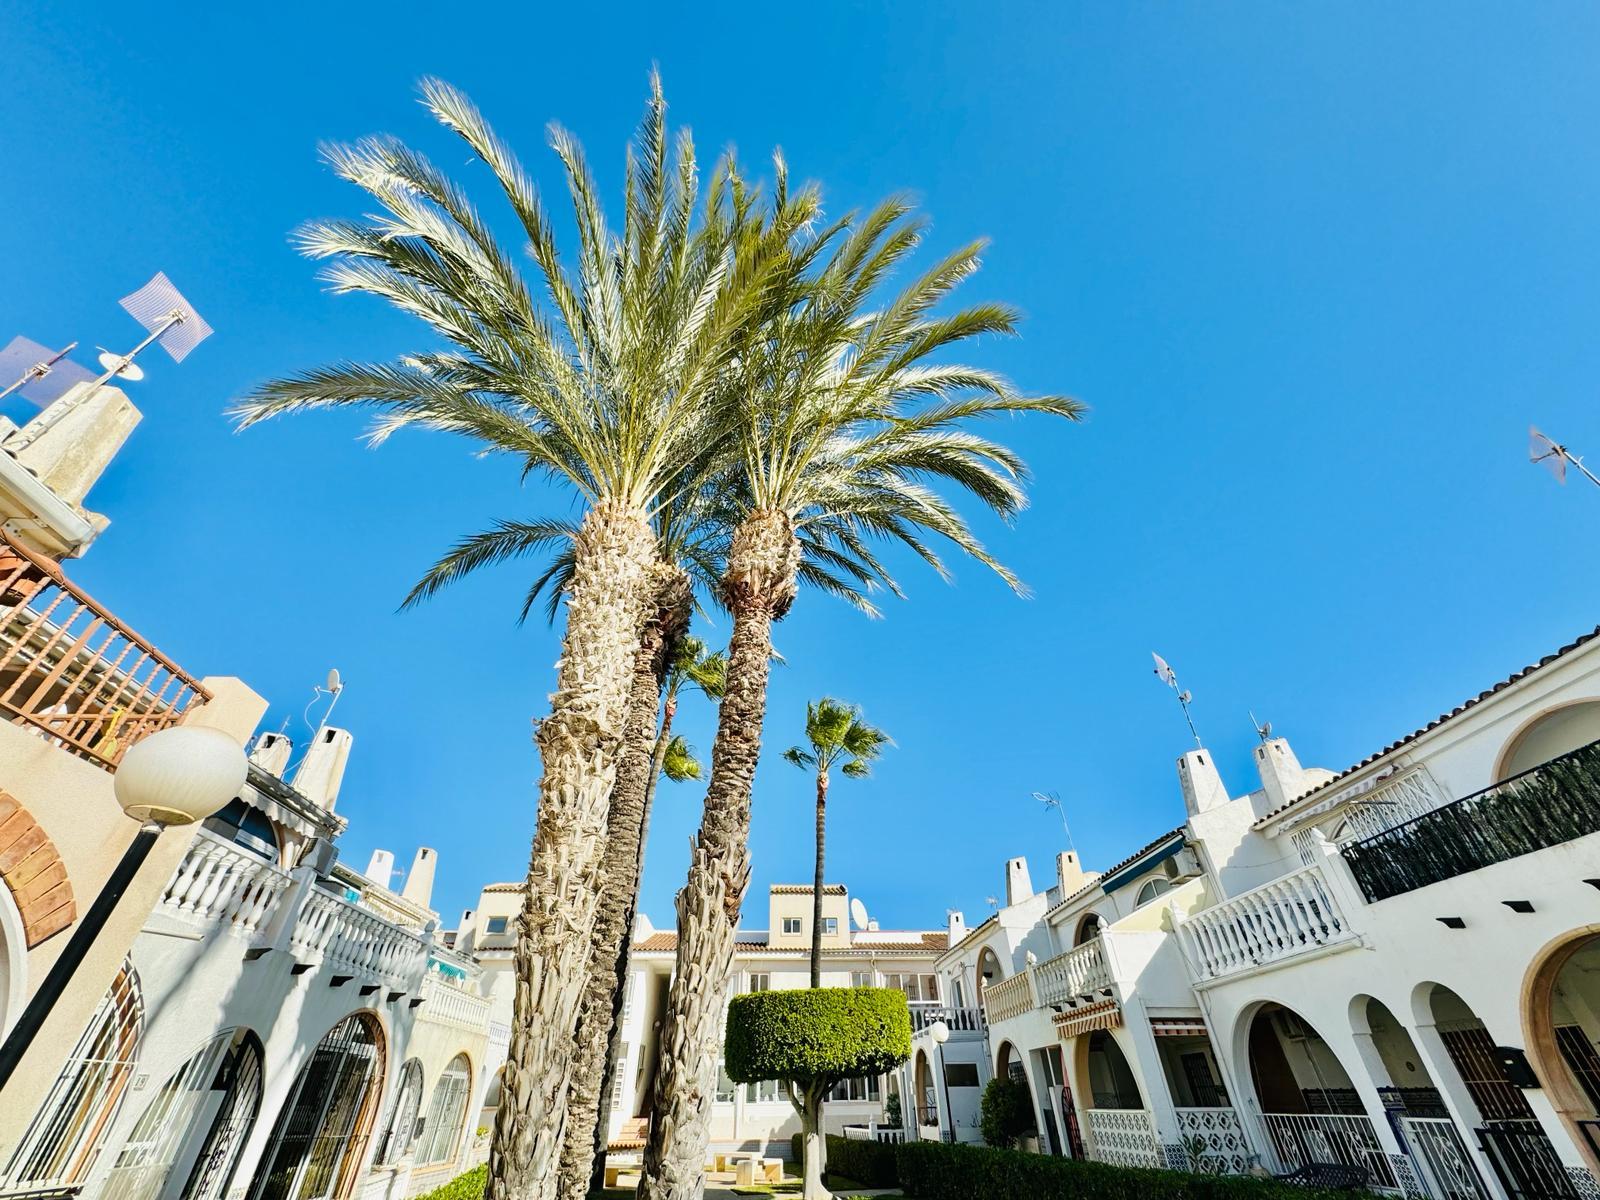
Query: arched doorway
(1088, 929)
(63, 1141)
(400, 1130)
(195, 1126)
(1008, 1063)
(1561, 1022)
(926, 1098)
(989, 971)
(447, 1114)
(1118, 1125)
(1310, 1109)
(317, 1143)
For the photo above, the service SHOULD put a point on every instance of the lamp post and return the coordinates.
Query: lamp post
(175, 777)
(940, 1033)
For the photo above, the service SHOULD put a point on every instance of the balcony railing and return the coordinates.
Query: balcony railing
(71, 670)
(218, 882)
(1009, 998)
(1079, 974)
(958, 1020)
(1286, 917)
(446, 1003)
(355, 941)
(1551, 804)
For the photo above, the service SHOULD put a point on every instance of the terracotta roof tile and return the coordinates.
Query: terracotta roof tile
(804, 889)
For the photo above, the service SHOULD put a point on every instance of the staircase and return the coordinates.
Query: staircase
(632, 1135)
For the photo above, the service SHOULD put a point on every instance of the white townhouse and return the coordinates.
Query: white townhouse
(1394, 969)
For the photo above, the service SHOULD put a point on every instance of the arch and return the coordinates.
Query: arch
(989, 969)
(316, 1145)
(1559, 1011)
(218, 1159)
(13, 962)
(1008, 1063)
(36, 876)
(1470, 1048)
(1151, 889)
(400, 1130)
(1558, 730)
(65, 1136)
(1110, 1079)
(183, 1115)
(1088, 928)
(447, 1113)
(1392, 1059)
(926, 1098)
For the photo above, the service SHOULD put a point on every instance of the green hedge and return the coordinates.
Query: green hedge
(871, 1163)
(463, 1187)
(817, 1033)
(935, 1171)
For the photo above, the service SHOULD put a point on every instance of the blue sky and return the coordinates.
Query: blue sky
(1315, 269)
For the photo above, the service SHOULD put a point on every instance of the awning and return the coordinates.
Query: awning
(1179, 1027)
(1104, 1014)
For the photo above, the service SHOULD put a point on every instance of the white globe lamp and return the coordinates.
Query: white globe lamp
(179, 775)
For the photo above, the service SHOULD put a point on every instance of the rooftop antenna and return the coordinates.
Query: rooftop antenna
(170, 319)
(332, 686)
(41, 374)
(1170, 677)
(1264, 732)
(1053, 800)
(992, 903)
(1555, 456)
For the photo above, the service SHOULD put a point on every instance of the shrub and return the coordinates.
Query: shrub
(1007, 1111)
(869, 1163)
(813, 1039)
(891, 1110)
(463, 1187)
(935, 1171)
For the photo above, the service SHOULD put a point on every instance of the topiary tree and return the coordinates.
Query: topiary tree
(1007, 1111)
(811, 1040)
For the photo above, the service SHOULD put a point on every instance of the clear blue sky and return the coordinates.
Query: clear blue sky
(1314, 267)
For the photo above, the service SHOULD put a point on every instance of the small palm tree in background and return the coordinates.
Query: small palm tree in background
(837, 735)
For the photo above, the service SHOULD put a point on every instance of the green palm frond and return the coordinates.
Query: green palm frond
(680, 763)
(838, 734)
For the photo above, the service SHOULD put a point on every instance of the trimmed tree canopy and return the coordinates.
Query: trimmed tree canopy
(817, 1034)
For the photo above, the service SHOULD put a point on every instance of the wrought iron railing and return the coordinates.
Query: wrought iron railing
(71, 670)
(1543, 807)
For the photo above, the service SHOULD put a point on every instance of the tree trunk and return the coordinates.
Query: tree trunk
(758, 588)
(808, 1104)
(816, 891)
(601, 1006)
(579, 745)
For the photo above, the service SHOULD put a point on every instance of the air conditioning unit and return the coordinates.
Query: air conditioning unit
(1182, 866)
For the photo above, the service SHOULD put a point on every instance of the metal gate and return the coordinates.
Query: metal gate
(1446, 1165)
(1526, 1162)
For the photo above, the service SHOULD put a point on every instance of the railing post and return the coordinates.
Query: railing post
(279, 932)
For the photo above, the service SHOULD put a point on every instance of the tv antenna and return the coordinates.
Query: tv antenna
(1053, 800)
(1555, 457)
(170, 320)
(1264, 732)
(41, 374)
(1170, 677)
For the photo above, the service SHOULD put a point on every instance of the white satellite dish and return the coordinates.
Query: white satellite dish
(858, 913)
(334, 682)
(121, 366)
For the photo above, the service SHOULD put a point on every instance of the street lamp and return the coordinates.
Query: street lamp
(175, 777)
(940, 1033)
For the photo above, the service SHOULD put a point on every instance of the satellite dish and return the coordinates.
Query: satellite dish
(121, 367)
(858, 913)
(334, 682)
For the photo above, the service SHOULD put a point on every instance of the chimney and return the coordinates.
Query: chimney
(322, 769)
(1202, 786)
(957, 928)
(271, 753)
(1069, 873)
(419, 883)
(1282, 777)
(1018, 886)
(380, 868)
(872, 925)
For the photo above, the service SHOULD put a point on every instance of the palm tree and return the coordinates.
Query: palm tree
(845, 426)
(604, 385)
(837, 734)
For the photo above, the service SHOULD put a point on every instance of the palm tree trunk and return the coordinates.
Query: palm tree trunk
(579, 745)
(758, 588)
(601, 1005)
(816, 891)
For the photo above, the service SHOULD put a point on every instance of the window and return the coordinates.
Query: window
(860, 979)
(765, 1092)
(855, 1089)
(911, 985)
(961, 1075)
(496, 925)
(726, 1090)
(616, 1087)
(830, 924)
(402, 1128)
(930, 987)
(791, 924)
(1151, 889)
(441, 1133)
(760, 982)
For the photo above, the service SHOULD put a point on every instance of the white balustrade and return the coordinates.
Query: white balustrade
(958, 1020)
(359, 942)
(1214, 1140)
(1124, 1137)
(1278, 920)
(447, 1003)
(1009, 998)
(1079, 973)
(218, 883)
(875, 1133)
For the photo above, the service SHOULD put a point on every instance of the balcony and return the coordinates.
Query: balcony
(73, 672)
(1286, 918)
(1009, 998)
(924, 1013)
(1547, 806)
(1079, 976)
(453, 1004)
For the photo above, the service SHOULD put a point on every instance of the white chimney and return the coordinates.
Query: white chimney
(957, 928)
(1018, 886)
(419, 883)
(1070, 875)
(1282, 777)
(380, 868)
(1202, 786)
(271, 753)
(322, 769)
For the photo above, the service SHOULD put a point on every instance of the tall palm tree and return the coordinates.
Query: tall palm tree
(602, 385)
(839, 736)
(845, 427)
